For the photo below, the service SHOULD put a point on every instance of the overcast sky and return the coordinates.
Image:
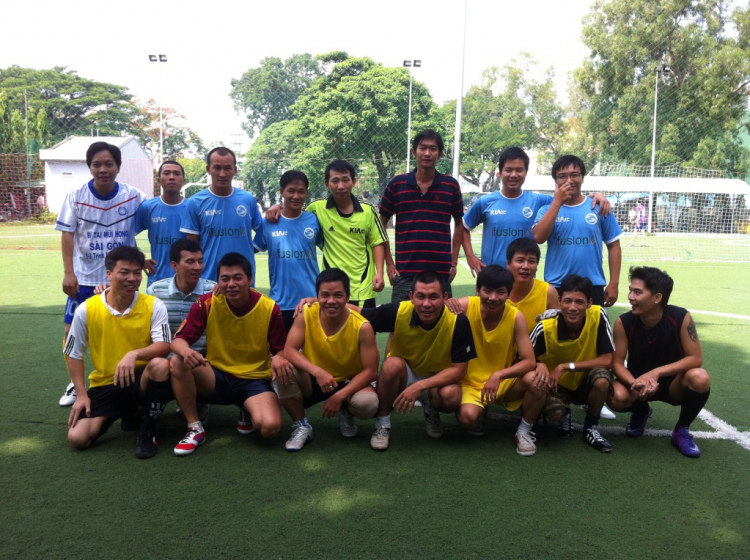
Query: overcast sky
(212, 43)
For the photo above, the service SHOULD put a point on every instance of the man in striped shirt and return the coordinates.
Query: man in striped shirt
(424, 201)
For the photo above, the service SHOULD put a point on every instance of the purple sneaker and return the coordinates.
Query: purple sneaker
(683, 441)
(637, 424)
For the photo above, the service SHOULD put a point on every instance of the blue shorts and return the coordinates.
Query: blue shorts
(84, 293)
(318, 395)
(230, 389)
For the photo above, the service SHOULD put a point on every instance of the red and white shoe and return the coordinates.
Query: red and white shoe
(245, 423)
(188, 444)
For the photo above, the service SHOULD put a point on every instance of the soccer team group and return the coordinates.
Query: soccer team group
(202, 335)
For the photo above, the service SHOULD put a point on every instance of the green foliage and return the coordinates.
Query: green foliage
(179, 139)
(195, 169)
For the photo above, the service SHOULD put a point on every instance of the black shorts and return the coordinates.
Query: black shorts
(365, 303)
(230, 389)
(402, 285)
(598, 298)
(662, 393)
(318, 395)
(287, 316)
(114, 401)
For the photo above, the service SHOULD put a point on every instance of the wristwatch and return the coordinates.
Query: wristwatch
(571, 366)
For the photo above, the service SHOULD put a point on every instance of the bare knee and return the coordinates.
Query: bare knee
(393, 368)
(270, 427)
(158, 369)
(446, 399)
(79, 439)
(468, 415)
(364, 404)
(697, 380)
(178, 368)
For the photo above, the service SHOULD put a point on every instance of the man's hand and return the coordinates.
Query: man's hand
(150, 267)
(193, 358)
(282, 369)
(564, 192)
(125, 372)
(304, 302)
(273, 213)
(405, 401)
(554, 376)
(475, 264)
(646, 385)
(81, 406)
(378, 283)
(332, 406)
(70, 285)
(605, 208)
(540, 378)
(454, 306)
(100, 288)
(610, 295)
(326, 382)
(489, 391)
(392, 272)
(452, 274)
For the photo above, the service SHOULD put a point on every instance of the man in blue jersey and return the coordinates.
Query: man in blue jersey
(222, 218)
(290, 242)
(509, 213)
(162, 217)
(576, 234)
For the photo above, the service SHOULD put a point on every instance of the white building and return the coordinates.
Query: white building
(65, 166)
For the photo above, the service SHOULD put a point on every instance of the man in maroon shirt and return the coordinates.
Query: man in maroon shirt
(243, 329)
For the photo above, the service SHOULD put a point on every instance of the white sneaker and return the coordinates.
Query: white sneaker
(606, 413)
(525, 444)
(380, 438)
(69, 396)
(300, 436)
(347, 424)
(433, 425)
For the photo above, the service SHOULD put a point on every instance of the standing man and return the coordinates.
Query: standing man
(337, 363)
(162, 217)
(664, 358)
(423, 201)
(128, 335)
(640, 224)
(291, 242)
(428, 358)
(222, 218)
(574, 350)
(94, 219)
(576, 235)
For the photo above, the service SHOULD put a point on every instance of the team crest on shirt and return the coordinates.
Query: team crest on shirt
(309, 233)
(122, 211)
(591, 219)
(527, 212)
(241, 211)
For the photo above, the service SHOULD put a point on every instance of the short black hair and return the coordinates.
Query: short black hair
(333, 275)
(494, 277)
(513, 153)
(428, 134)
(524, 245)
(222, 151)
(97, 147)
(656, 281)
(292, 176)
(235, 259)
(342, 166)
(565, 161)
(171, 162)
(428, 277)
(176, 249)
(125, 253)
(575, 283)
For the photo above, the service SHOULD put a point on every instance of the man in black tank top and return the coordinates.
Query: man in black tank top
(664, 358)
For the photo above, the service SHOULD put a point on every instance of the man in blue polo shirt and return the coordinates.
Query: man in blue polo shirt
(162, 217)
(290, 242)
(222, 218)
(575, 234)
(424, 202)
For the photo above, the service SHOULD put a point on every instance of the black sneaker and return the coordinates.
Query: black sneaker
(146, 446)
(595, 440)
(565, 425)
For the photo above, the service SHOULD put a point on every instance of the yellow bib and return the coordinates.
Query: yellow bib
(338, 354)
(427, 352)
(239, 345)
(111, 336)
(563, 351)
(535, 303)
(495, 349)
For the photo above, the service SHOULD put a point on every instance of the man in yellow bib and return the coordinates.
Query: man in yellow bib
(495, 376)
(128, 335)
(337, 363)
(428, 357)
(575, 350)
(243, 329)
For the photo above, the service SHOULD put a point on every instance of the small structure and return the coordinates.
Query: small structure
(65, 166)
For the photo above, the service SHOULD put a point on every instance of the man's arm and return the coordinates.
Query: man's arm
(378, 255)
(474, 262)
(553, 298)
(70, 282)
(389, 264)
(605, 207)
(452, 374)
(621, 353)
(82, 406)
(457, 306)
(458, 239)
(614, 253)
(543, 228)
(295, 340)
(193, 236)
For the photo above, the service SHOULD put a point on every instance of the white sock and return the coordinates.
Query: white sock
(524, 427)
(383, 421)
(195, 425)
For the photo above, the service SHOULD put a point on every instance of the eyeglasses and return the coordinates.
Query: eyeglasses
(565, 176)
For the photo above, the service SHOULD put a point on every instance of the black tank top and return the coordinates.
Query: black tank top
(657, 346)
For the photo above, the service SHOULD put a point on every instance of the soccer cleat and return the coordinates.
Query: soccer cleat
(188, 444)
(433, 424)
(69, 396)
(380, 438)
(145, 448)
(637, 424)
(245, 423)
(347, 424)
(203, 412)
(683, 440)
(606, 413)
(525, 444)
(478, 428)
(300, 436)
(565, 425)
(595, 440)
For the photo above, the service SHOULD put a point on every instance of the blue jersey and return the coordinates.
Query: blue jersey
(504, 220)
(292, 260)
(576, 243)
(224, 225)
(163, 222)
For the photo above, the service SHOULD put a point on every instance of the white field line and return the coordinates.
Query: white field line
(30, 235)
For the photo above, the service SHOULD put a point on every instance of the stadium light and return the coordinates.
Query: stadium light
(659, 71)
(160, 58)
(410, 64)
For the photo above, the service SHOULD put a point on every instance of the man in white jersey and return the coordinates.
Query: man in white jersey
(94, 219)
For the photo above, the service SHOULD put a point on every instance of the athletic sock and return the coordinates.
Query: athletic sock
(692, 404)
(639, 407)
(195, 426)
(298, 423)
(158, 394)
(591, 421)
(524, 427)
(383, 421)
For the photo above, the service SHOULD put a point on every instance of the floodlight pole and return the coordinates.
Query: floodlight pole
(659, 71)
(160, 58)
(459, 106)
(410, 64)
